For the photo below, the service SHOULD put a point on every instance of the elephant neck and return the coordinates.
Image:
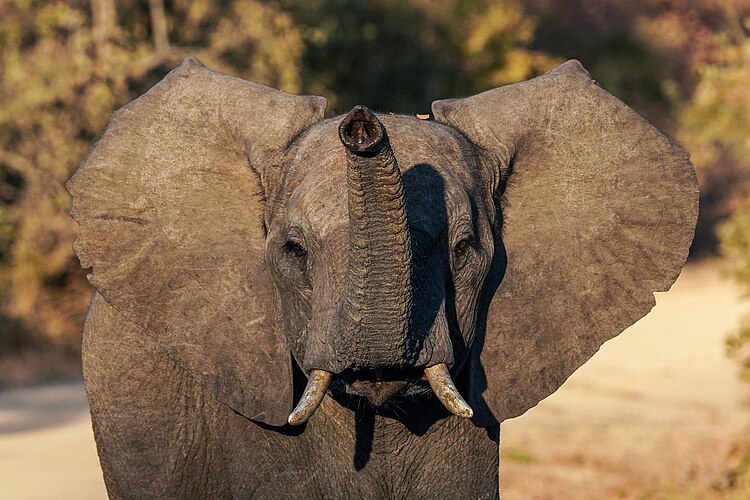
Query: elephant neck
(405, 458)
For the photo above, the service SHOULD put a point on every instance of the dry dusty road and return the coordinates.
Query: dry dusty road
(657, 409)
(46, 445)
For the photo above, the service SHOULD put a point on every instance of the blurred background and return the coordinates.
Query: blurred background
(683, 64)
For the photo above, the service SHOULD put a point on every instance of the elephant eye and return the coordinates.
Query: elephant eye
(461, 247)
(295, 248)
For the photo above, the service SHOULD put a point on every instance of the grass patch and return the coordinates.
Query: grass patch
(520, 456)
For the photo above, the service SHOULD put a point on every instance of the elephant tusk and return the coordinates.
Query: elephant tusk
(317, 385)
(442, 385)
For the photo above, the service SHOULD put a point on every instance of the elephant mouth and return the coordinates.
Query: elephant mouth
(378, 386)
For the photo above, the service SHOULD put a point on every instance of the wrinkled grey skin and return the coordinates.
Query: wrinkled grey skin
(160, 435)
(238, 241)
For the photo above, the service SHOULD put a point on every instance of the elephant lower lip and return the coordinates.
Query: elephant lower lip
(381, 384)
(377, 393)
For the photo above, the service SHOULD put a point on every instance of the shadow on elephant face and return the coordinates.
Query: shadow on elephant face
(248, 236)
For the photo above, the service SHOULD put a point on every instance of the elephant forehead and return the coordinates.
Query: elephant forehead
(414, 142)
(317, 186)
(431, 157)
(419, 142)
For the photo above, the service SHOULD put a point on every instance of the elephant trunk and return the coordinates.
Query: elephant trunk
(378, 294)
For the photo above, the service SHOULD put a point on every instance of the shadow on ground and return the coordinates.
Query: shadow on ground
(39, 407)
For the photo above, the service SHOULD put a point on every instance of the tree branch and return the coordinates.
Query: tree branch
(159, 25)
(104, 20)
(30, 172)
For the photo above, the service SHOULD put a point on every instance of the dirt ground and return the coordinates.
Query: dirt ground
(658, 413)
(46, 445)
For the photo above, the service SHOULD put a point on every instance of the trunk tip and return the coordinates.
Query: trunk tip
(361, 132)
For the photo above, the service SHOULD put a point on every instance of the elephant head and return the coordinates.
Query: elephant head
(384, 256)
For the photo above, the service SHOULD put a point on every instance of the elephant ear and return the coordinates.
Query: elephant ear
(170, 209)
(598, 212)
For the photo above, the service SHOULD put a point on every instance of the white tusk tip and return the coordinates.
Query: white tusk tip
(442, 385)
(317, 385)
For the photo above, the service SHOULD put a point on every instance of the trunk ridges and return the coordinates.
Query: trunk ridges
(379, 287)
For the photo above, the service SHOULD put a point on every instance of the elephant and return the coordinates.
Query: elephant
(294, 306)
